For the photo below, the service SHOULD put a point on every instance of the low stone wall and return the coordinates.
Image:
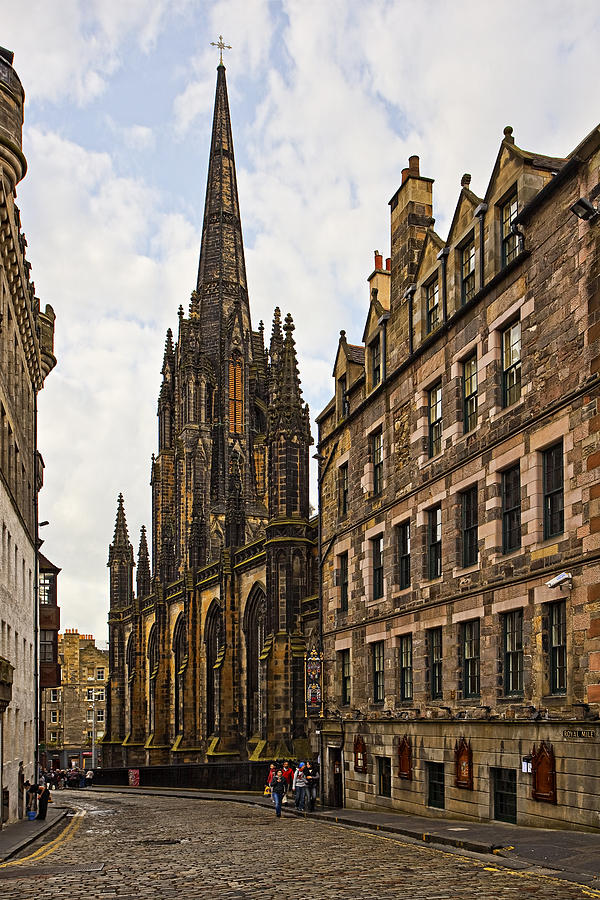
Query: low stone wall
(233, 776)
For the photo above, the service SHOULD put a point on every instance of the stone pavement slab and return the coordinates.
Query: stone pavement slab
(18, 835)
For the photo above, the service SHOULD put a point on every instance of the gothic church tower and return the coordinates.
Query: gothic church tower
(207, 657)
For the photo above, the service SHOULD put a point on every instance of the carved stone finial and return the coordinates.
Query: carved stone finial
(508, 134)
(465, 181)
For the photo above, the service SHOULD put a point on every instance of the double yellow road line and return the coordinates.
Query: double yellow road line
(66, 835)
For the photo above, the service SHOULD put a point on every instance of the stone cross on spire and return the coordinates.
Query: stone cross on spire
(222, 46)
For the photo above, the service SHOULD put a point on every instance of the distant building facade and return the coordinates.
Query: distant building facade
(207, 653)
(26, 358)
(49, 625)
(460, 464)
(74, 713)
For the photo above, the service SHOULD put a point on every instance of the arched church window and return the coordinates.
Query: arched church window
(215, 653)
(180, 655)
(130, 676)
(236, 394)
(152, 673)
(254, 628)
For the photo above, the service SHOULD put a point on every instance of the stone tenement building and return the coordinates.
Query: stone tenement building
(26, 357)
(74, 713)
(207, 656)
(460, 461)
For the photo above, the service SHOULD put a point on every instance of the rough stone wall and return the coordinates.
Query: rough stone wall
(552, 289)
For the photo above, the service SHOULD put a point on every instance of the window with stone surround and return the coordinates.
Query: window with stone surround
(432, 300)
(467, 271)
(376, 442)
(344, 666)
(511, 509)
(406, 667)
(469, 393)
(469, 526)
(552, 465)
(557, 634)
(511, 364)
(375, 357)
(343, 490)
(471, 658)
(377, 558)
(434, 648)
(342, 398)
(403, 547)
(343, 581)
(434, 403)
(434, 542)
(377, 660)
(510, 240)
(512, 630)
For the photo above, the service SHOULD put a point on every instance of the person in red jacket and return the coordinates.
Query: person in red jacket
(288, 774)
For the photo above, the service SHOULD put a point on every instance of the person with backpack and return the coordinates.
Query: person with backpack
(300, 785)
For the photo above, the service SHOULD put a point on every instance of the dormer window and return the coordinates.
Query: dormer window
(375, 350)
(467, 272)
(510, 240)
(343, 404)
(432, 296)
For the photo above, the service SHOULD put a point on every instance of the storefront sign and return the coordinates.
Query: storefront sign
(579, 733)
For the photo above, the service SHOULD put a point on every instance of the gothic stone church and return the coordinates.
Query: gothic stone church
(207, 655)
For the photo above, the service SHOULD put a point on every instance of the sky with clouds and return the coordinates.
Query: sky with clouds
(328, 100)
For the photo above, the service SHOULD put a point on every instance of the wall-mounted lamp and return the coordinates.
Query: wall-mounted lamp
(585, 209)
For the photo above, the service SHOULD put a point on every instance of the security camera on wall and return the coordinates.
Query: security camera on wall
(565, 578)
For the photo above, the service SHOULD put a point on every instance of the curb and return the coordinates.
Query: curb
(34, 837)
(426, 837)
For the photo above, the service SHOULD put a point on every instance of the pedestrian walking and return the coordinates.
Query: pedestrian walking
(44, 798)
(312, 776)
(300, 784)
(288, 774)
(278, 789)
(270, 777)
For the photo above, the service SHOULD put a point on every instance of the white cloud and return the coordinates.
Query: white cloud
(115, 267)
(72, 48)
(335, 97)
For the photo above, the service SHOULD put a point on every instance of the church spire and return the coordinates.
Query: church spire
(121, 536)
(286, 409)
(143, 566)
(221, 281)
(120, 561)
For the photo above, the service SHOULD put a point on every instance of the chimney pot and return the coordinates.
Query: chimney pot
(413, 164)
(405, 174)
(388, 264)
(378, 260)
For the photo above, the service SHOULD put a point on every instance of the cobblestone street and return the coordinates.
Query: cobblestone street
(153, 848)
